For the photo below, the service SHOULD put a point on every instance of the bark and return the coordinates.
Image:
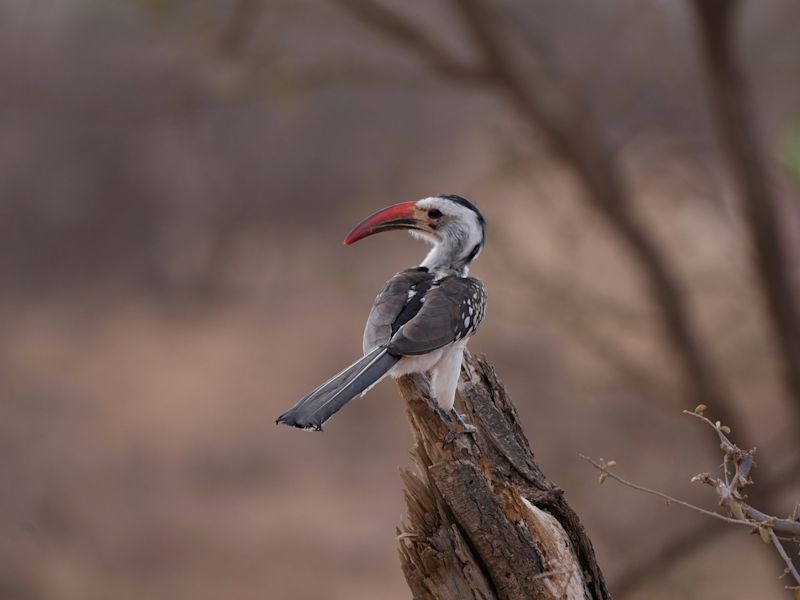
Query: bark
(483, 521)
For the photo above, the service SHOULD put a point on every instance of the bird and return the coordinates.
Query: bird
(423, 317)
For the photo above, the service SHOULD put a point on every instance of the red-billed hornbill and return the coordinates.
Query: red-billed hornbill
(422, 318)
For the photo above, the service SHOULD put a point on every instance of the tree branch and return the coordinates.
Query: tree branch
(702, 535)
(406, 34)
(605, 470)
(782, 552)
(730, 491)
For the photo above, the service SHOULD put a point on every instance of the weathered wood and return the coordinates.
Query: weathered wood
(483, 521)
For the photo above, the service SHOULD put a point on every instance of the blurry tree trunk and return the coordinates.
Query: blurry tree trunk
(569, 130)
(563, 121)
(716, 19)
(483, 520)
(240, 26)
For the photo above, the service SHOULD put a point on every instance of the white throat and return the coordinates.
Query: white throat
(454, 251)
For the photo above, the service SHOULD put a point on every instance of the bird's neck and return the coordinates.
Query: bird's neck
(453, 249)
(445, 259)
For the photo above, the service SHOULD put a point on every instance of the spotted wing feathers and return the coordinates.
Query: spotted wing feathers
(451, 310)
(398, 301)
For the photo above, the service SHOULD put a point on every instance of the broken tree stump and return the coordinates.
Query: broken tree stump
(483, 521)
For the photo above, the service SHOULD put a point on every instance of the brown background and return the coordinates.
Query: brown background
(174, 188)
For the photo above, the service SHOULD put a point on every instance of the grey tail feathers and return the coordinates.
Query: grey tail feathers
(318, 406)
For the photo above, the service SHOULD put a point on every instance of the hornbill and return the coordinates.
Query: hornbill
(422, 318)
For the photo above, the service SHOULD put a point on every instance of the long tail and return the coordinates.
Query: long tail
(318, 406)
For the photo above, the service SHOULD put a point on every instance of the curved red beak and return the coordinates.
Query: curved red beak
(398, 216)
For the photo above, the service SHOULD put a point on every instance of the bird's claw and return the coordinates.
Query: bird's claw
(461, 426)
(442, 414)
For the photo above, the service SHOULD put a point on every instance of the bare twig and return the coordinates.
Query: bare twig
(718, 427)
(605, 470)
(694, 539)
(782, 551)
(730, 492)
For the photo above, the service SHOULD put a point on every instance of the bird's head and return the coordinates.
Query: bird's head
(452, 224)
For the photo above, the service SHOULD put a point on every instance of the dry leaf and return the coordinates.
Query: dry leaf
(764, 533)
(702, 478)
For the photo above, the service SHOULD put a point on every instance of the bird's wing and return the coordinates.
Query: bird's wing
(451, 309)
(397, 302)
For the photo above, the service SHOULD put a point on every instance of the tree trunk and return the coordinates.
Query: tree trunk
(737, 130)
(483, 520)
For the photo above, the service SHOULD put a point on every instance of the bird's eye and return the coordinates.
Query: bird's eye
(434, 213)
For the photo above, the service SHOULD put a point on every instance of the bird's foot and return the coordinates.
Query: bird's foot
(461, 426)
(442, 414)
(458, 423)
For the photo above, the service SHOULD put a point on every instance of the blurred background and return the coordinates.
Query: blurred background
(176, 178)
